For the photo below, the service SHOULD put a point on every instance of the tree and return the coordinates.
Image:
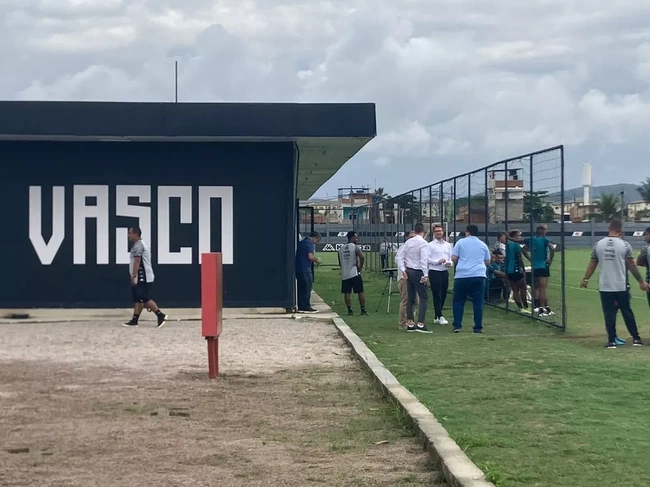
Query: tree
(644, 190)
(608, 207)
(537, 208)
(378, 197)
(407, 203)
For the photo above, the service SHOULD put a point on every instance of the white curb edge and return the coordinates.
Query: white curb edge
(456, 467)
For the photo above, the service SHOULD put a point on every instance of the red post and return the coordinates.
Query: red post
(212, 307)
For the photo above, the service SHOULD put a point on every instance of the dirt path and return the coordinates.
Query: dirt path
(100, 405)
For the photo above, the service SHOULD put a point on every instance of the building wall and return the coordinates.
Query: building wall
(194, 197)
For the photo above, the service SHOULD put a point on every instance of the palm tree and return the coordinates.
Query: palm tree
(644, 190)
(608, 207)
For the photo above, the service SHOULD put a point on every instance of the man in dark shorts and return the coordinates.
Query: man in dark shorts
(541, 258)
(351, 261)
(141, 277)
(516, 272)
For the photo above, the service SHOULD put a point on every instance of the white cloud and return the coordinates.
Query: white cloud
(458, 83)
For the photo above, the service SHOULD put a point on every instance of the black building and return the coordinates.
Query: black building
(196, 177)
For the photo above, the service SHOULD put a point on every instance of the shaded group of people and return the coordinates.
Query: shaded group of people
(508, 276)
(478, 274)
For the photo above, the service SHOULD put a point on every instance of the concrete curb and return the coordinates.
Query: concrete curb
(456, 467)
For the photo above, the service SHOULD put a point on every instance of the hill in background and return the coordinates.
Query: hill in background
(631, 193)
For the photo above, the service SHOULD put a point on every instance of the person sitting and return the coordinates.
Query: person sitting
(496, 276)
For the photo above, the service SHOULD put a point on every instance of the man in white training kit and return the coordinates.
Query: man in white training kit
(413, 264)
(615, 258)
(141, 277)
(351, 261)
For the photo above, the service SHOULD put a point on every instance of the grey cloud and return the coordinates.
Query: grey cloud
(457, 84)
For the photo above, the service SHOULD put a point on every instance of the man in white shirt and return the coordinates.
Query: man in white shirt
(471, 257)
(413, 265)
(351, 261)
(402, 288)
(439, 264)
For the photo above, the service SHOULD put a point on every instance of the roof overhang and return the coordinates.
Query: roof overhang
(326, 135)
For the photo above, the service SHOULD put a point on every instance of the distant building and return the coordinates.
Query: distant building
(638, 211)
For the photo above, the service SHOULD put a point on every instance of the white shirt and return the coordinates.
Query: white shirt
(439, 249)
(415, 255)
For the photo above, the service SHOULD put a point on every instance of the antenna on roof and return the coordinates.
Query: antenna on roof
(175, 81)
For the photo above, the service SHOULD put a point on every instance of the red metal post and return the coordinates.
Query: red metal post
(212, 306)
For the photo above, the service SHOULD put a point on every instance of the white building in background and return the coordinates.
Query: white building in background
(638, 210)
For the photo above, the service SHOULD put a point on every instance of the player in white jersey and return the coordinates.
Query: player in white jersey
(141, 277)
(615, 258)
(351, 261)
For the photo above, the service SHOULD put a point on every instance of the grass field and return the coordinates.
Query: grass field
(531, 405)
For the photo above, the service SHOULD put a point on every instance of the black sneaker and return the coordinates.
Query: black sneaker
(410, 328)
(350, 312)
(162, 318)
(131, 324)
(364, 313)
(456, 330)
(637, 343)
(422, 329)
(611, 345)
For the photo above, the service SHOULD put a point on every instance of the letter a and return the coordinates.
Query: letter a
(46, 251)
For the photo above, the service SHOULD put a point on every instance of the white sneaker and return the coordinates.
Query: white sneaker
(436, 321)
(443, 321)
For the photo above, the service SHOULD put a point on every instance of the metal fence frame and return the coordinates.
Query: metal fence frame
(443, 202)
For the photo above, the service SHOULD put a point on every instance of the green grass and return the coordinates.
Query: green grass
(531, 405)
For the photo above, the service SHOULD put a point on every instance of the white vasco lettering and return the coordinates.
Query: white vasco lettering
(47, 251)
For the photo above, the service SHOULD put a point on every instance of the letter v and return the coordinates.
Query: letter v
(46, 251)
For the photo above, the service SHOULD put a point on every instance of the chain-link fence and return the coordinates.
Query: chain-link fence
(525, 193)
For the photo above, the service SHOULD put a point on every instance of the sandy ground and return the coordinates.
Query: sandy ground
(95, 404)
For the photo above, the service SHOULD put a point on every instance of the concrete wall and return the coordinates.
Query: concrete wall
(66, 207)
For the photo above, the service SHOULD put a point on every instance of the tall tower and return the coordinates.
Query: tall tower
(586, 184)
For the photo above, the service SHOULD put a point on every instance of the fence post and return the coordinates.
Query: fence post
(532, 234)
(486, 209)
(455, 212)
(562, 239)
(505, 196)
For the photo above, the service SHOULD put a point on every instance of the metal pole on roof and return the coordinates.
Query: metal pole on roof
(175, 81)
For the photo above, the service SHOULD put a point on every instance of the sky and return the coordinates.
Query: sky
(458, 84)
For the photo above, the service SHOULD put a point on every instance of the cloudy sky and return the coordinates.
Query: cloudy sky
(458, 83)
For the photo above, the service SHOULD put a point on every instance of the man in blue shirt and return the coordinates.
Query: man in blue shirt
(516, 271)
(305, 258)
(541, 257)
(471, 258)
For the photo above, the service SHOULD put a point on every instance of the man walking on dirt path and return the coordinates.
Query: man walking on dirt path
(141, 277)
(615, 258)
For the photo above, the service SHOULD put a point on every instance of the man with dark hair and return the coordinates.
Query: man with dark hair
(351, 262)
(402, 287)
(471, 257)
(305, 257)
(615, 258)
(541, 258)
(413, 264)
(496, 276)
(516, 271)
(141, 277)
(439, 264)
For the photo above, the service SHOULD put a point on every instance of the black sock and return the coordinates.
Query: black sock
(349, 308)
(135, 317)
(363, 309)
(537, 303)
(159, 313)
